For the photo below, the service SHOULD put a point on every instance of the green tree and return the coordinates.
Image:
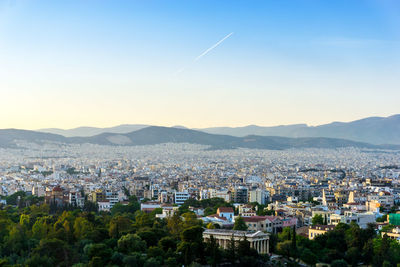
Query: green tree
(210, 226)
(246, 254)
(213, 252)
(131, 243)
(294, 247)
(82, 228)
(167, 243)
(339, 263)
(231, 251)
(152, 262)
(99, 250)
(284, 248)
(174, 225)
(119, 208)
(150, 237)
(119, 225)
(308, 256)
(42, 228)
(240, 224)
(317, 219)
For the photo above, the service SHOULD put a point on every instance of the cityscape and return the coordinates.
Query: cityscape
(271, 192)
(170, 133)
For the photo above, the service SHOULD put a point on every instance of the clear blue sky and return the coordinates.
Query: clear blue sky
(102, 63)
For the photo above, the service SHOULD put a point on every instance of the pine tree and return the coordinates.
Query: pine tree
(231, 251)
(294, 238)
(240, 224)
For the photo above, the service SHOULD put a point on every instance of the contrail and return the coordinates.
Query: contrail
(205, 52)
(212, 47)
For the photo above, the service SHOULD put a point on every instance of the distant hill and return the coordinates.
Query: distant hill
(281, 130)
(7, 137)
(157, 135)
(91, 131)
(374, 130)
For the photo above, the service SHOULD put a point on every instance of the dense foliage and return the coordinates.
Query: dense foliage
(35, 235)
(346, 244)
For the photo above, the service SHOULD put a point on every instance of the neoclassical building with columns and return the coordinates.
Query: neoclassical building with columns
(258, 240)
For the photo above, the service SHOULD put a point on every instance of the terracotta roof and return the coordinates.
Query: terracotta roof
(255, 218)
(57, 188)
(225, 209)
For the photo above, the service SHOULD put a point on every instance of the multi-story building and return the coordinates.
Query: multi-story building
(56, 196)
(98, 196)
(258, 195)
(239, 194)
(76, 199)
(224, 194)
(341, 197)
(362, 219)
(181, 197)
(271, 224)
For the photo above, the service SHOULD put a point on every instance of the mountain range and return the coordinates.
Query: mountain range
(374, 130)
(158, 135)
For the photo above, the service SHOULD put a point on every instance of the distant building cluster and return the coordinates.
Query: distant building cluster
(269, 190)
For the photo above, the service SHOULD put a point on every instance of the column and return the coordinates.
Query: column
(268, 245)
(262, 247)
(265, 246)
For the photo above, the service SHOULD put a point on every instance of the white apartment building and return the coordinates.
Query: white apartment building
(181, 197)
(258, 195)
(112, 197)
(104, 205)
(224, 194)
(362, 219)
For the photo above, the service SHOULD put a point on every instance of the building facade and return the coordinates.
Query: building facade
(258, 240)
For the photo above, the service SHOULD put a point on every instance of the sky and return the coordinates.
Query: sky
(71, 63)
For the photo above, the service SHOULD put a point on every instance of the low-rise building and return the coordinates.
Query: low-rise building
(226, 212)
(258, 240)
(394, 234)
(316, 230)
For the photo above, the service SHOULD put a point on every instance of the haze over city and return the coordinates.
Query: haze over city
(82, 63)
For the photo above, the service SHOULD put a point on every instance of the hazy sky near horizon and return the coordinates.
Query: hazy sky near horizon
(102, 63)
